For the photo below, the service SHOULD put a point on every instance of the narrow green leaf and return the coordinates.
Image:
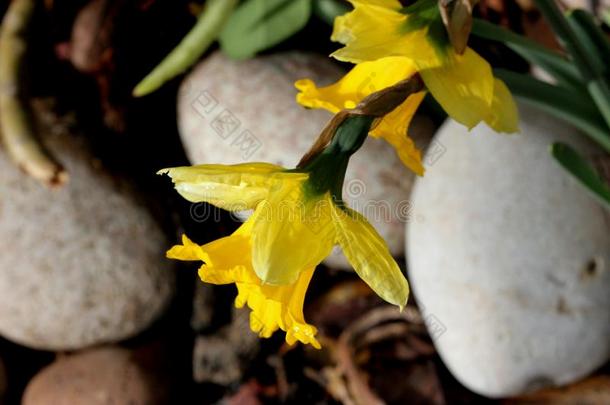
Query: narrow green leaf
(552, 62)
(582, 171)
(592, 38)
(600, 93)
(567, 37)
(597, 47)
(190, 49)
(562, 102)
(260, 24)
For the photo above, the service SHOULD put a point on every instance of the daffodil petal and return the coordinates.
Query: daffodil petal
(311, 96)
(228, 260)
(503, 116)
(279, 307)
(291, 234)
(188, 251)
(464, 87)
(364, 79)
(393, 129)
(376, 29)
(232, 187)
(362, 20)
(367, 252)
(369, 32)
(387, 4)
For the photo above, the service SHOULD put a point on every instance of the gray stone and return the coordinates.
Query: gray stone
(234, 112)
(83, 264)
(222, 357)
(509, 258)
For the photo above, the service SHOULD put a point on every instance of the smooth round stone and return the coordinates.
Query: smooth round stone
(83, 264)
(509, 258)
(102, 376)
(234, 112)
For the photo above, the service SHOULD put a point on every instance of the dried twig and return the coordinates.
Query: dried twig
(18, 133)
(357, 384)
(283, 386)
(378, 324)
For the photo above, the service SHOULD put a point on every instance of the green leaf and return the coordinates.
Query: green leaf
(576, 108)
(592, 38)
(578, 167)
(260, 24)
(552, 62)
(567, 37)
(600, 93)
(195, 43)
(597, 47)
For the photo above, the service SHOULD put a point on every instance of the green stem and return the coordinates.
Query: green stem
(327, 170)
(190, 49)
(350, 135)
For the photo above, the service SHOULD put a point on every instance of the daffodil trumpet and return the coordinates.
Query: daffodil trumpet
(299, 216)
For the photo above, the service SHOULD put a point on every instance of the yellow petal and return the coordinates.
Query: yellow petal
(188, 251)
(228, 260)
(367, 252)
(376, 29)
(364, 16)
(291, 234)
(231, 187)
(279, 307)
(225, 260)
(391, 4)
(503, 116)
(326, 98)
(393, 128)
(365, 78)
(464, 87)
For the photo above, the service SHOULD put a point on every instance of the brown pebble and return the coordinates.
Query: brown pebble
(103, 376)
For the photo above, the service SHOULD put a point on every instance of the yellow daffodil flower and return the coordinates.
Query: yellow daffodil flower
(298, 217)
(390, 43)
(363, 80)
